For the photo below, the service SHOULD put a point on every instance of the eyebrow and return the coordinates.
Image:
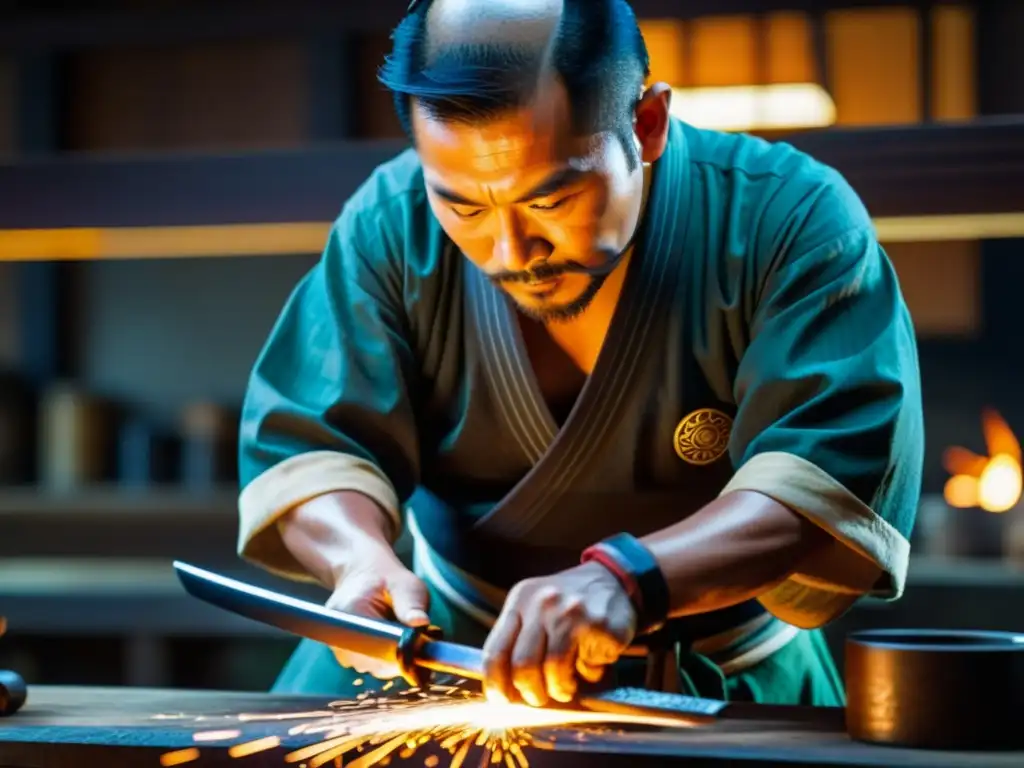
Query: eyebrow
(554, 183)
(453, 197)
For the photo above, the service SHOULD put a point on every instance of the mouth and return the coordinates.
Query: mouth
(544, 287)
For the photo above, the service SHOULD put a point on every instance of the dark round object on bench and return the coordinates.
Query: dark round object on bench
(936, 689)
(13, 692)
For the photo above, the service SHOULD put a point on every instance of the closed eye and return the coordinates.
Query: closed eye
(466, 213)
(551, 206)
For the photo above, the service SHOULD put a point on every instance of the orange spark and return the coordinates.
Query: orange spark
(179, 757)
(253, 747)
(328, 748)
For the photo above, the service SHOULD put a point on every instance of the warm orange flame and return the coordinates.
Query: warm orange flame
(995, 482)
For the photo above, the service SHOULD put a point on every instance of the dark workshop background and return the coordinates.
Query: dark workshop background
(168, 172)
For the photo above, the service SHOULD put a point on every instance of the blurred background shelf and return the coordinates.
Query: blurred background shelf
(114, 500)
(944, 181)
(935, 572)
(108, 522)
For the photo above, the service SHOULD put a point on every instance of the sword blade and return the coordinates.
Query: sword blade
(376, 638)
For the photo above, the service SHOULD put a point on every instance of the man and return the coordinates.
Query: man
(565, 316)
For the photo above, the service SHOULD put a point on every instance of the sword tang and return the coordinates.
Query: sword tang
(451, 659)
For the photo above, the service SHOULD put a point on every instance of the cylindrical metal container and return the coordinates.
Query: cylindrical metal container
(936, 689)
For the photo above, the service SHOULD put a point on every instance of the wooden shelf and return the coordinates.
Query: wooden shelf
(948, 572)
(935, 181)
(118, 523)
(216, 21)
(106, 501)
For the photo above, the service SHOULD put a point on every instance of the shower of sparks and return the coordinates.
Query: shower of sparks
(372, 730)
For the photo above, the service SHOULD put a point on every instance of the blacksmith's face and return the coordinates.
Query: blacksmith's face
(540, 210)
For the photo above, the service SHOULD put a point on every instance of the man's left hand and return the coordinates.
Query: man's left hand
(556, 629)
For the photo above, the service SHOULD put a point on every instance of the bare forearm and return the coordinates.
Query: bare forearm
(732, 550)
(323, 533)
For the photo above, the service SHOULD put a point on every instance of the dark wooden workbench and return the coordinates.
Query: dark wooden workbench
(132, 728)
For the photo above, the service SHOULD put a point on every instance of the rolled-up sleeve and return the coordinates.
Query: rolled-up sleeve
(829, 420)
(327, 406)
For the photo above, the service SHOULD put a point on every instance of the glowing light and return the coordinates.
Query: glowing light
(993, 483)
(755, 107)
(961, 491)
(999, 486)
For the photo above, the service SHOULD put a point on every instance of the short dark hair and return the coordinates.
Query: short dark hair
(598, 52)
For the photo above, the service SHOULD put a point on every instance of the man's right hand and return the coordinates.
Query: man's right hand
(379, 586)
(343, 540)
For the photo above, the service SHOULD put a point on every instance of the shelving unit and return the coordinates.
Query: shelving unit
(100, 523)
(116, 502)
(933, 182)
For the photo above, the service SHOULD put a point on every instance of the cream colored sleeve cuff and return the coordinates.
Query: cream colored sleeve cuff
(867, 555)
(295, 481)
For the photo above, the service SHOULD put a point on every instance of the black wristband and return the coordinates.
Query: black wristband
(651, 585)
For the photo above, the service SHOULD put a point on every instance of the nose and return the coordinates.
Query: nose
(510, 250)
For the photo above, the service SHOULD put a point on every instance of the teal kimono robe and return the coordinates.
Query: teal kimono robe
(760, 343)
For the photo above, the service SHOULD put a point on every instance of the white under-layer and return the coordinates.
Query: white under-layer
(730, 650)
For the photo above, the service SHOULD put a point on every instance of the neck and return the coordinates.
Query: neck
(645, 191)
(603, 307)
(648, 175)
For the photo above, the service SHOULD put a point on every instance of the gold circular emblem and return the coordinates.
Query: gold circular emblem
(703, 436)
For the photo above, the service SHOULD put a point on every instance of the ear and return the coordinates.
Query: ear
(652, 120)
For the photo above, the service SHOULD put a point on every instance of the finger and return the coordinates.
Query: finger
(410, 599)
(560, 664)
(497, 656)
(592, 674)
(563, 647)
(363, 595)
(528, 656)
(599, 648)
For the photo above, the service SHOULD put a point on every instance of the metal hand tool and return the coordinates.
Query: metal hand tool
(416, 651)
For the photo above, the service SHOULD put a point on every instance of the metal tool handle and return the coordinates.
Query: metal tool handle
(13, 690)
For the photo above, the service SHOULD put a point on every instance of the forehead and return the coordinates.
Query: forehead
(518, 141)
